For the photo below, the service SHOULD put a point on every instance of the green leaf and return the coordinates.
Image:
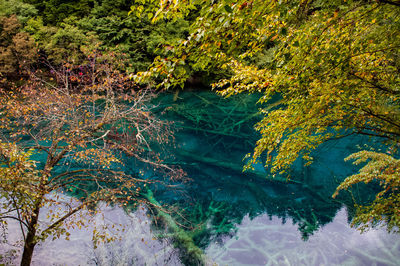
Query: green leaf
(228, 9)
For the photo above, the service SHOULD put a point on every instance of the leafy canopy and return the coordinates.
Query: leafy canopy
(333, 64)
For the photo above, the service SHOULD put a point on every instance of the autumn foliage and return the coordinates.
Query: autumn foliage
(17, 50)
(324, 70)
(82, 121)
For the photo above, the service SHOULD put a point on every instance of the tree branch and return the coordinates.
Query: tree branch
(15, 218)
(62, 219)
(394, 3)
(375, 85)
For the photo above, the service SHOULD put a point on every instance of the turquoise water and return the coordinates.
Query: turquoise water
(250, 219)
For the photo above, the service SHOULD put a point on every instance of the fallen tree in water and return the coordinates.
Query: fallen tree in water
(234, 167)
(191, 254)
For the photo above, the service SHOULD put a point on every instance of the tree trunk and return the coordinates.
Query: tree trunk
(28, 249)
(30, 241)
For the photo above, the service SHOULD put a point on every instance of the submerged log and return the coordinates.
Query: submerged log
(233, 167)
(254, 173)
(215, 132)
(192, 254)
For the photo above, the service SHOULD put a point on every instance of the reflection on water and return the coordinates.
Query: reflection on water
(251, 219)
(136, 243)
(242, 218)
(266, 241)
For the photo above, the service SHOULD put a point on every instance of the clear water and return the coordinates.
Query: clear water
(241, 218)
(250, 219)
